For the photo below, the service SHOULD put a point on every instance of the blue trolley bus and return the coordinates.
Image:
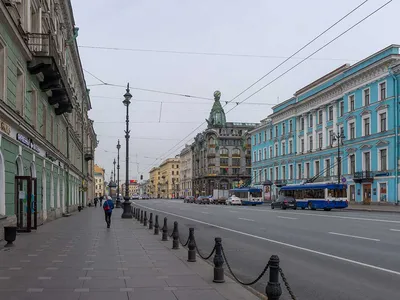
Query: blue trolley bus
(317, 195)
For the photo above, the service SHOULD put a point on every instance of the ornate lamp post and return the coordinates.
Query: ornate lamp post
(114, 168)
(338, 137)
(118, 202)
(127, 214)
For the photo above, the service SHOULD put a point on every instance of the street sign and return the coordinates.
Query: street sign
(344, 179)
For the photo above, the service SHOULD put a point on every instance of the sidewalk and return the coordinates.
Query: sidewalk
(78, 258)
(374, 207)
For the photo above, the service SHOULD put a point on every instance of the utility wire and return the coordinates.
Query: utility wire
(204, 53)
(362, 20)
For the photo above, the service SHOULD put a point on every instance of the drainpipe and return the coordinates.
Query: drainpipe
(396, 105)
(83, 160)
(67, 171)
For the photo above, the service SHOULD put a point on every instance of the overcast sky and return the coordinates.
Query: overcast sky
(274, 29)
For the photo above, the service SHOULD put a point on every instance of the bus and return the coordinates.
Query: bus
(248, 195)
(317, 195)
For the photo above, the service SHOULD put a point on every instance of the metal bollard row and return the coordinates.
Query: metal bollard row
(165, 230)
(156, 227)
(151, 221)
(145, 219)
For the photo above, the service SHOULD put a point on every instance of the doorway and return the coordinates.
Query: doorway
(367, 194)
(352, 193)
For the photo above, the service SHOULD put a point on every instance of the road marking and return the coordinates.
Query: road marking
(354, 236)
(282, 243)
(233, 211)
(204, 212)
(394, 229)
(281, 217)
(244, 219)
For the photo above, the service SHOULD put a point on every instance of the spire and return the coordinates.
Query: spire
(217, 115)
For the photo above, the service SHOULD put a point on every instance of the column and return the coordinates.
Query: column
(334, 104)
(314, 132)
(324, 140)
(297, 138)
(305, 116)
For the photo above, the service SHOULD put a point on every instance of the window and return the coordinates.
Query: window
(382, 121)
(383, 159)
(352, 129)
(298, 171)
(276, 173)
(254, 176)
(307, 170)
(3, 73)
(301, 123)
(328, 167)
(320, 116)
(290, 147)
(236, 171)
(284, 172)
(382, 91)
(310, 124)
(254, 140)
(276, 131)
(34, 97)
(270, 152)
(319, 140)
(330, 113)
(310, 148)
(341, 109)
(290, 171)
(265, 136)
(330, 132)
(290, 125)
(271, 174)
(44, 124)
(283, 128)
(317, 170)
(351, 103)
(302, 145)
(259, 155)
(223, 152)
(367, 161)
(276, 149)
(235, 152)
(20, 92)
(366, 97)
(366, 126)
(259, 138)
(173, 173)
(270, 133)
(283, 148)
(265, 153)
(352, 159)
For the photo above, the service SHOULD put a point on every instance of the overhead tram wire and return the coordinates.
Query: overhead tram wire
(316, 51)
(237, 104)
(302, 48)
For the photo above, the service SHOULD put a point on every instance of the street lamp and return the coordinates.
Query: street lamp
(118, 202)
(339, 137)
(114, 168)
(127, 214)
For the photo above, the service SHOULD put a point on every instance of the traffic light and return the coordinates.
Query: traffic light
(141, 177)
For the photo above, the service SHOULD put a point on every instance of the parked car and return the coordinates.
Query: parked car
(189, 199)
(212, 200)
(202, 200)
(135, 197)
(234, 200)
(145, 197)
(284, 202)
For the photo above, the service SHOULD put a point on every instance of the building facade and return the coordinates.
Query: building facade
(154, 182)
(185, 175)
(352, 110)
(133, 188)
(47, 141)
(221, 154)
(99, 179)
(169, 178)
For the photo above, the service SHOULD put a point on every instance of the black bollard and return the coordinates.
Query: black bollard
(156, 227)
(151, 221)
(175, 236)
(273, 288)
(165, 230)
(137, 214)
(141, 216)
(145, 219)
(218, 262)
(191, 246)
(134, 211)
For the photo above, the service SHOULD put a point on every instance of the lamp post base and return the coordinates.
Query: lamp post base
(127, 214)
(118, 203)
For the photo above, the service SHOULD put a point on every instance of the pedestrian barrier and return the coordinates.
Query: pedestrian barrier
(145, 219)
(273, 288)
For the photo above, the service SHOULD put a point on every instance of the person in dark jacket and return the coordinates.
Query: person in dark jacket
(108, 207)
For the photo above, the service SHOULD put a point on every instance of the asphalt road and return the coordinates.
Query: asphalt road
(325, 255)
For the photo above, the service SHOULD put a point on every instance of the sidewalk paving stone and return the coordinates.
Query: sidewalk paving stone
(78, 258)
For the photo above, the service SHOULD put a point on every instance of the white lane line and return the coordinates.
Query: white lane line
(204, 212)
(354, 236)
(394, 229)
(327, 216)
(281, 217)
(283, 243)
(244, 219)
(233, 211)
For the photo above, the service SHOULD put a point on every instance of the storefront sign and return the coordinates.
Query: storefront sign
(5, 127)
(28, 142)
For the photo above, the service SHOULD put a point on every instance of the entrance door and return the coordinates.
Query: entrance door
(25, 203)
(367, 193)
(352, 193)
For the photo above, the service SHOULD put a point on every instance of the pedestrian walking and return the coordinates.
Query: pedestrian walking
(101, 200)
(95, 202)
(108, 207)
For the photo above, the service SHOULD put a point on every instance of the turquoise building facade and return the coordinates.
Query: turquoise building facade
(342, 127)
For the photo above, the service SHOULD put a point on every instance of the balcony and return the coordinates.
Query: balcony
(89, 154)
(49, 61)
(363, 176)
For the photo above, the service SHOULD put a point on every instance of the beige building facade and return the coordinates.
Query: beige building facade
(154, 183)
(169, 178)
(185, 174)
(99, 181)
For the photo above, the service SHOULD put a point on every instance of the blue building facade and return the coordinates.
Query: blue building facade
(342, 127)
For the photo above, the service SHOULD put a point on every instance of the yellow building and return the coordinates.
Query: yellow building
(99, 187)
(133, 188)
(154, 188)
(169, 178)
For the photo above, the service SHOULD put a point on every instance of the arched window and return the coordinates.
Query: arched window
(223, 152)
(211, 141)
(235, 152)
(249, 141)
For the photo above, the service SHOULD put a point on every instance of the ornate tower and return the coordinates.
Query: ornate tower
(217, 115)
